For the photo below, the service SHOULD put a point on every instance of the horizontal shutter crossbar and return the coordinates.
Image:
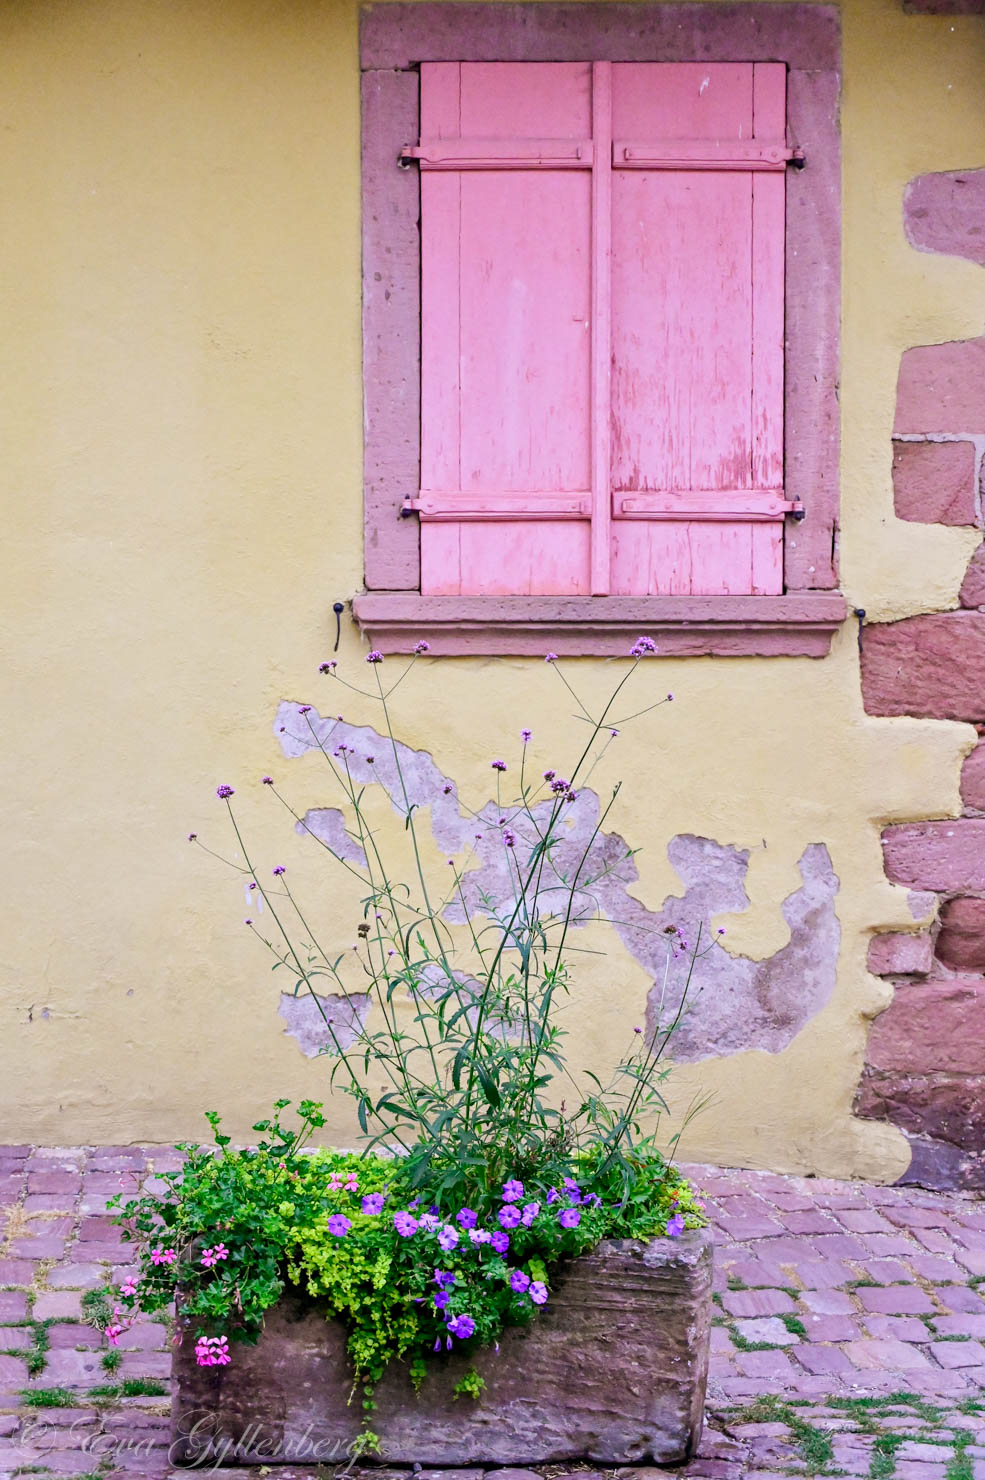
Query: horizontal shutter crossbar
(502, 154)
(703, 154)
(455, 506)
(740, 505)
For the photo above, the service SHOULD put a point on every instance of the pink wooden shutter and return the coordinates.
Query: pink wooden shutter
(697, 328)
(602, 328)
(506, 341)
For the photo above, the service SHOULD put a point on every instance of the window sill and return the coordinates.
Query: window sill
(797, 625)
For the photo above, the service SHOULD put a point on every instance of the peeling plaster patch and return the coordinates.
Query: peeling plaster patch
(308, 1025)
(327, 824)
(921, 903)
(735, 1003)
(397, 768)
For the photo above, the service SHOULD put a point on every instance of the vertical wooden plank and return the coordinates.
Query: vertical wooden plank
(440, 288)
(768, 207)
(441, 560)
(767, 559)
(601, 394)
(721, 556)
(523, 558)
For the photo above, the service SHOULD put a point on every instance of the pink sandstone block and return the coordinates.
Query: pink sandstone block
(547, 1396)
(961, 942)
(941, 388)
(894, 954)
(946, 212)
(937, 855)
(972, 591)
(934, 482)
(931, 1026)
(931, 666)
(944, 7)
(973, 779)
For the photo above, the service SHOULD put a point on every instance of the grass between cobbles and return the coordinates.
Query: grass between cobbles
(816, 1445)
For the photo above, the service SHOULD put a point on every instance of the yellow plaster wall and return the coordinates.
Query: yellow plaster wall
(181, 432)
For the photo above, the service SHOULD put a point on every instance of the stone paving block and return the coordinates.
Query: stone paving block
(39, 1246)
(897, 1328)
(16, 1338)
(818, 1359)
(69, 1335)
(771, 1365)
(896, 1300)
(821, 1274)
(80, 1276)
(961, 1325)
(13, 1305)
(831, 1328)
(888, 1355)
(958, 1353)
(960, 1299)
(16, 1271)
(827, 1302)
(757, 1302)
(70, 1368)
(13, 1373)
(57, 1305)
(754, 1272)
(767, 1328)
(936, 1268)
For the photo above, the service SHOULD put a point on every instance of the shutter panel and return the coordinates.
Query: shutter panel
(506, 336)
(697, 328)
(602, 328)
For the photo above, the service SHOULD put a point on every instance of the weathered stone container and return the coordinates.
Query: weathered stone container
(612, 1370)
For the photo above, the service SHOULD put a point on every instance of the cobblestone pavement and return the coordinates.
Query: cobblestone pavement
(849, 1334)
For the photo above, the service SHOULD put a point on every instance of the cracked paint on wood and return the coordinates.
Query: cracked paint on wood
(735, 1004)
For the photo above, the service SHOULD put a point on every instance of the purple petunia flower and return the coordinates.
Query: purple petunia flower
(569, 1217)
(553, 1195)
(461, 1326)
(675, 1226)
(222, 792)
(519, 1281)
(466, 1217)
(422, 646)
(444, 1278)
(480, 1236)
(512, 1190)
(500, 1241)
(538, 1292)
(429, 1222)
(441, 1300)
(339, 1224)
(509, 1217)
(373, 1203)
(530, 1211)
(448, 1237)
(405, 1224)
(374, 657)
(572, 1189)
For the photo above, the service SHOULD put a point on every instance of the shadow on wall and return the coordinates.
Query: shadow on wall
(925, 1067)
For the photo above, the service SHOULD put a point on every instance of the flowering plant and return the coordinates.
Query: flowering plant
(488, 1160)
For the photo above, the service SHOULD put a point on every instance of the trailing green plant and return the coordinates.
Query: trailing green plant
(488, 1160)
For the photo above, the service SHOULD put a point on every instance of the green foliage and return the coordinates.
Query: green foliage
(55, 1397)
(110, 1360)
(471, 1385)
(96, 1307)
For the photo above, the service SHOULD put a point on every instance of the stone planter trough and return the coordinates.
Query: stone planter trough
(612, 1370)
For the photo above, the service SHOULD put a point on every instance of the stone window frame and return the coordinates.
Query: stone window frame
(395, 37)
